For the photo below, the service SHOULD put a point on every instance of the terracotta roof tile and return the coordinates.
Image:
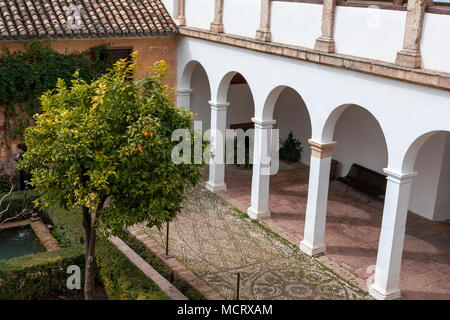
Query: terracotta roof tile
(48, 19)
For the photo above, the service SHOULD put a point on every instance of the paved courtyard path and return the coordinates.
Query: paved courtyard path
(216, 242)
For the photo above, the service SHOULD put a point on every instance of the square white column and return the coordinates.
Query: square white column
(216, 180)
(184, 98)
(316, 209)
(259, 208)
(392, 236)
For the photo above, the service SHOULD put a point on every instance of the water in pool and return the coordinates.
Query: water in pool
(16, 242)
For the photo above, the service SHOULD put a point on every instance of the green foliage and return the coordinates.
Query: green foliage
(37, 276)
(25, 75)
(42, 275)
(121, 279)
(17, 201)
(67, 228)
(291, 149)
(5, 186)
(111, 138)
(190, 292)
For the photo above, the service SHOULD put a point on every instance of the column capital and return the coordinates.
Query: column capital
(218, 106)
(321, 150)
(399, 177)
(183, 92)
(261, 124)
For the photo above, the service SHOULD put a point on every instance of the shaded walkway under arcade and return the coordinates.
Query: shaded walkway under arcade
(352, 231)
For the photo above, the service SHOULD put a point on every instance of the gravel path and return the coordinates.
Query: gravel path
(216, 242)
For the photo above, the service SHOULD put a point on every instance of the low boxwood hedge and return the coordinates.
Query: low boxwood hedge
(121, 279)
(38, 276)
(43, 275)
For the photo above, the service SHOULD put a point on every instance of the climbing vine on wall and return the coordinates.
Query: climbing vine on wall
(26, 74)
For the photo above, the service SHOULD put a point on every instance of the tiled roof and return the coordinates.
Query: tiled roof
(48, 19)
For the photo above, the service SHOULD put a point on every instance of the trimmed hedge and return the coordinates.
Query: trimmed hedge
(185, 288)
(121, 278)
(43, 275)
(38, 276)
(17, 201)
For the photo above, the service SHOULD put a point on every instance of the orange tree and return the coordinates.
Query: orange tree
(105, 148)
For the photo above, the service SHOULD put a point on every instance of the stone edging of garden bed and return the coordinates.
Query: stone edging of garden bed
(177, 267)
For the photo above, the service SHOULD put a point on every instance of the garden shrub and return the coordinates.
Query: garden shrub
(17, 201)
(42, 275)
(120, 277)
(5, 186)
(291, 149)
(38, 276)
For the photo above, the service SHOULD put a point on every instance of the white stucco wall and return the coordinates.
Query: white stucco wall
(435, 46)
(369, 32)
(404, 111)
(365, 32)
(359, 140)
(428, 166)
(303, 30)
(201, 94)
(171, 6)
(442, 210)
(241, 17)
(199, 13)
(241, 109)
(291, 114)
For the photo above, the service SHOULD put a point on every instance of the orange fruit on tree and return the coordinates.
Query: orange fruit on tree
(147, 134)
(140, 148)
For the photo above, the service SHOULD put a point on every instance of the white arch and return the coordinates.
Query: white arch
(221, 92)
(333, 117)
(410, 156)
(186, 75)
(266, 113)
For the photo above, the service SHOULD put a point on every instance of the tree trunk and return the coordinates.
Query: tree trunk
(89, 282)
(89, 279)
(89, 217)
